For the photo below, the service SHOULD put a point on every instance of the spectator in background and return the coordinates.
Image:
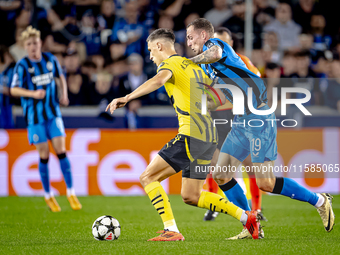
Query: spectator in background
(236, 24)
(77, 90)
(148, 13)
(17, 50)
(91, 37)
(71, 61)
(129, 31)
(302, 13)
(322, 42)
(305, 77)
(89, 68)
(273, 80)
(101, 93)
(306, 41)
(286, 29)
(8, 13)
(180, 9)
(7, 65)
(288, 63)
(128, 83)
(332, 94)
(107, 16)
(271, 43)
(219, 13)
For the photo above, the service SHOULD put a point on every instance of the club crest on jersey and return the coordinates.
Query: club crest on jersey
(31, 69)
(209, 44)
(43, 79)
(49, 66)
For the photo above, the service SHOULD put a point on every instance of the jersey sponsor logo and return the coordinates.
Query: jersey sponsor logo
(49, 66)
(43, 79)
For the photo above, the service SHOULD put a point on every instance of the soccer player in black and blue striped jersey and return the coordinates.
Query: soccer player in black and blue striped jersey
(220, 62)
(35, 79)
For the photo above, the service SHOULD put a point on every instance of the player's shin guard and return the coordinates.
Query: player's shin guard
(235, 194)
(292, 189)
(66, 169)
(256, 196)
(44, 175)
(217, 203)
(161, 202)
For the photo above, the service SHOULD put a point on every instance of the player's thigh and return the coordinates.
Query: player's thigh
(225, 168)
(265, 177)
(58, 144)
(43, 150)
(157, 170)
(191, 190)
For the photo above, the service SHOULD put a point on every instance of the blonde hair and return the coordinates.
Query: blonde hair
(29, 32)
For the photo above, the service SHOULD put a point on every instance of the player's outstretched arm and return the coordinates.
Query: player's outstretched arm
(20, 92)
(61, 82)
(147, 87)
(211, 55)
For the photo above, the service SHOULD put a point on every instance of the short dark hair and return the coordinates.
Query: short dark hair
(164, 33)
(204, 24)
(222, 30)
(302, 53)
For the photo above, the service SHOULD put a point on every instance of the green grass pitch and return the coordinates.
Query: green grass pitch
(28, 227)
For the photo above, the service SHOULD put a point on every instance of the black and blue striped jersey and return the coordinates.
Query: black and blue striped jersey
(34, 75)
(230, 69)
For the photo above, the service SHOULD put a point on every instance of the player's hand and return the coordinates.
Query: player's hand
(64, 101)
(116, 103)
(39, 94)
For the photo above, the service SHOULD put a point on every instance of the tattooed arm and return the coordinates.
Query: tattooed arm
(209, 56)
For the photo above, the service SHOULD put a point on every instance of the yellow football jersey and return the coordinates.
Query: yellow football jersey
(185, 89)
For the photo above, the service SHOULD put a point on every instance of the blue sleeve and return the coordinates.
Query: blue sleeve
(116, 27)
(211, 42)
(18, 76)
(57, 67)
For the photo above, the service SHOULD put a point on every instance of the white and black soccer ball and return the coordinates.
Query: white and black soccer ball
(106, 228)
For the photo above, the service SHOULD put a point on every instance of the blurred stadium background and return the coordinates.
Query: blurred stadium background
(101, 47)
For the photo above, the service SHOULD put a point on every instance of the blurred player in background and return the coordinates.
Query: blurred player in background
(7, 65)
(34, 80)
(224, 112)
(195, 143)
(220, 61)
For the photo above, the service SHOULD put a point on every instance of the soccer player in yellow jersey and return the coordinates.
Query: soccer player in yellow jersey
(193, 146)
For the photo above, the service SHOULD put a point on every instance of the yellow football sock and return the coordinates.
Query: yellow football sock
(216, 203)
(246, 183)
(160, 201)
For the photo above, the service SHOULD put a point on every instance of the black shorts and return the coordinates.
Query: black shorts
(190, 155)
(222, 129)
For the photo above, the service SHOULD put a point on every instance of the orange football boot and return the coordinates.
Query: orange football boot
(168, 236)
(53, 204)
(74, 202)
(253, 224)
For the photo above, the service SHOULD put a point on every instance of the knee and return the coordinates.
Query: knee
(265, 184)
(144, 179)
(220, 178)
(191, 199)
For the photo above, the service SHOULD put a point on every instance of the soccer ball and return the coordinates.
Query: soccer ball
(106, 228)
